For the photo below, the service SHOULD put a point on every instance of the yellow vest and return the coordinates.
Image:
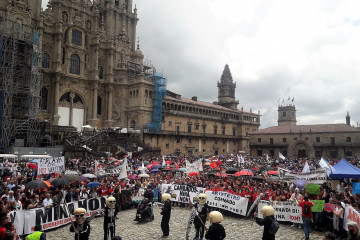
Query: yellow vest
(34, 236)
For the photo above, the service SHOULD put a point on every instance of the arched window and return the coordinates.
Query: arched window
(146, 93)
(64, 16)
(43, 98)
(137, 93)
(99, 103)
(100, 72)
(75, 64)
(76, 37)
(45, 60)
(132, 124)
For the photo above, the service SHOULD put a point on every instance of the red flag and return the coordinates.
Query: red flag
(219, 162)
(214, 165)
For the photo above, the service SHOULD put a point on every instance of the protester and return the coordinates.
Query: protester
(306, 214)
(166, 213)
(216, 231)
(268, 217)
(37, 235)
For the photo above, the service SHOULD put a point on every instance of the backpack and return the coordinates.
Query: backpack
(274, 227)
(307, 209)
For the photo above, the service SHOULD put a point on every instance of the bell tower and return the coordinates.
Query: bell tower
(287, 115)
(226, 93)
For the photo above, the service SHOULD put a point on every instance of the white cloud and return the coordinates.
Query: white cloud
(305, 49)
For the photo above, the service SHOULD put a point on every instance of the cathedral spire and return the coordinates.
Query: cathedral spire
(226, 93)
(226, 75)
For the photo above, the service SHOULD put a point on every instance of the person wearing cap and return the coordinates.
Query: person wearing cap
(353, 229)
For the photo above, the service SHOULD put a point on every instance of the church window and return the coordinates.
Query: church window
(215, 129)
(46, 61)
(137, 93)
(215, 141)
(348, 139)
(43, 98)
(204, 128)
(189, 140)
(197, 125)
(76, 37)
(178, 140)
(259, 140)
(271, 141)
(132, 124)
(177, 129)
(234, 131)
(167, 145)
(170, 123)
(223, 130)
(63, 56)
(65, 36)
(64, 16)
(146, 93)
(189, 127)
(332, 139)
(99, 103)
(284, 114)
(100, 71)
(75, 64)
(284, 140)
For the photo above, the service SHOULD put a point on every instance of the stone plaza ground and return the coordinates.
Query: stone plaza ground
(236, 228)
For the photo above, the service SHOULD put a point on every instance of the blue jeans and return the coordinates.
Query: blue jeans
(307, 224)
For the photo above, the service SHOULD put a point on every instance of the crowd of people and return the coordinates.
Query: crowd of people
(15, 196)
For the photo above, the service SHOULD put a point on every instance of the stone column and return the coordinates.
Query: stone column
(95, 96)
(110, 102)
(56, 98)
(72, 96)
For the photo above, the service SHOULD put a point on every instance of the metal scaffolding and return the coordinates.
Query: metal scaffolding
(20, 76)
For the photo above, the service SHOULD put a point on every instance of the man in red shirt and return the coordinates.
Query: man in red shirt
(4, 219)
(306, 214)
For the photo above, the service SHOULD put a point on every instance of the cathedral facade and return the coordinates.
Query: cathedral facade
(93, 73)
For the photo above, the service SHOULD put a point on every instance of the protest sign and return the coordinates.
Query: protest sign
(314, 177)
(312, 189)
(318, 205)
(284, 211)
(227, 201)
(194, 167)
(48, 218)
(181, 192)
(351, 215)
(356, 188)
(51, 165)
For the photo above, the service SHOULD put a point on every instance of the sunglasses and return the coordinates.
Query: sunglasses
(201, 198)
(79, 215)
(112, 201)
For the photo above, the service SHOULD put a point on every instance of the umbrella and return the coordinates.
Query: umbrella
(35, 160)
(144, 175)
(60, 181)
(232, 170)
(47, 184)
(112, 158)
(223, 175)
(32, 165)
(36, 184)
(268, 167)
(194, 174)
(155, 170)
(51, 179)
(89, 175)
(182, 169)
(259, 177)
(149, 166)
(156, 166)
(146, 162)
(173, 169)
(243, 172)
(154, 163)
(165, 170)
(93, 184)
(133, 177)
(273, 172)
(72, 177)
(168, 162)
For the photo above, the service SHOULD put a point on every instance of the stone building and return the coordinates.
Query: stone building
(94, 73)
(305, 141)
(194, 127)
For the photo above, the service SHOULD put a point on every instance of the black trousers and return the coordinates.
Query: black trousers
(165, 226)
(109, 227)
(199, 227)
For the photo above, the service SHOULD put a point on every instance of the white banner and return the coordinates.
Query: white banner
(227, 201)
(351, 215)
(284, 211)
(314, 177)
(181, 192)
(48, 218)
(102, 170)
(51, 165)
(194, 167)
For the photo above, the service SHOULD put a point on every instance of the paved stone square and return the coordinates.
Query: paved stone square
(236, 228)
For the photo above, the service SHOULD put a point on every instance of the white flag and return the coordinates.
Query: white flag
(267, 157)
(163, 161)
(123, 173)
(142, 168)
(239, 160)
(324, 164)
(242, 159)
(306, 167)
(194, 167)
(281, 156)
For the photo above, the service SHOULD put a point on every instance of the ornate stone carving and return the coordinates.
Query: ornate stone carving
(78, 18)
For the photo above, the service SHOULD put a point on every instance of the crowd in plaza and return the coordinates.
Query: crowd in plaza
(15, 195)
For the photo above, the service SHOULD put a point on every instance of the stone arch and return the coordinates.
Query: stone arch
(301, 149)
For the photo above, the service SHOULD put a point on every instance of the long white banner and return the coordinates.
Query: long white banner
(227, 201)
(314, 177)
(284, 211)
(51, 165)
(181, 192)
(48, 218)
